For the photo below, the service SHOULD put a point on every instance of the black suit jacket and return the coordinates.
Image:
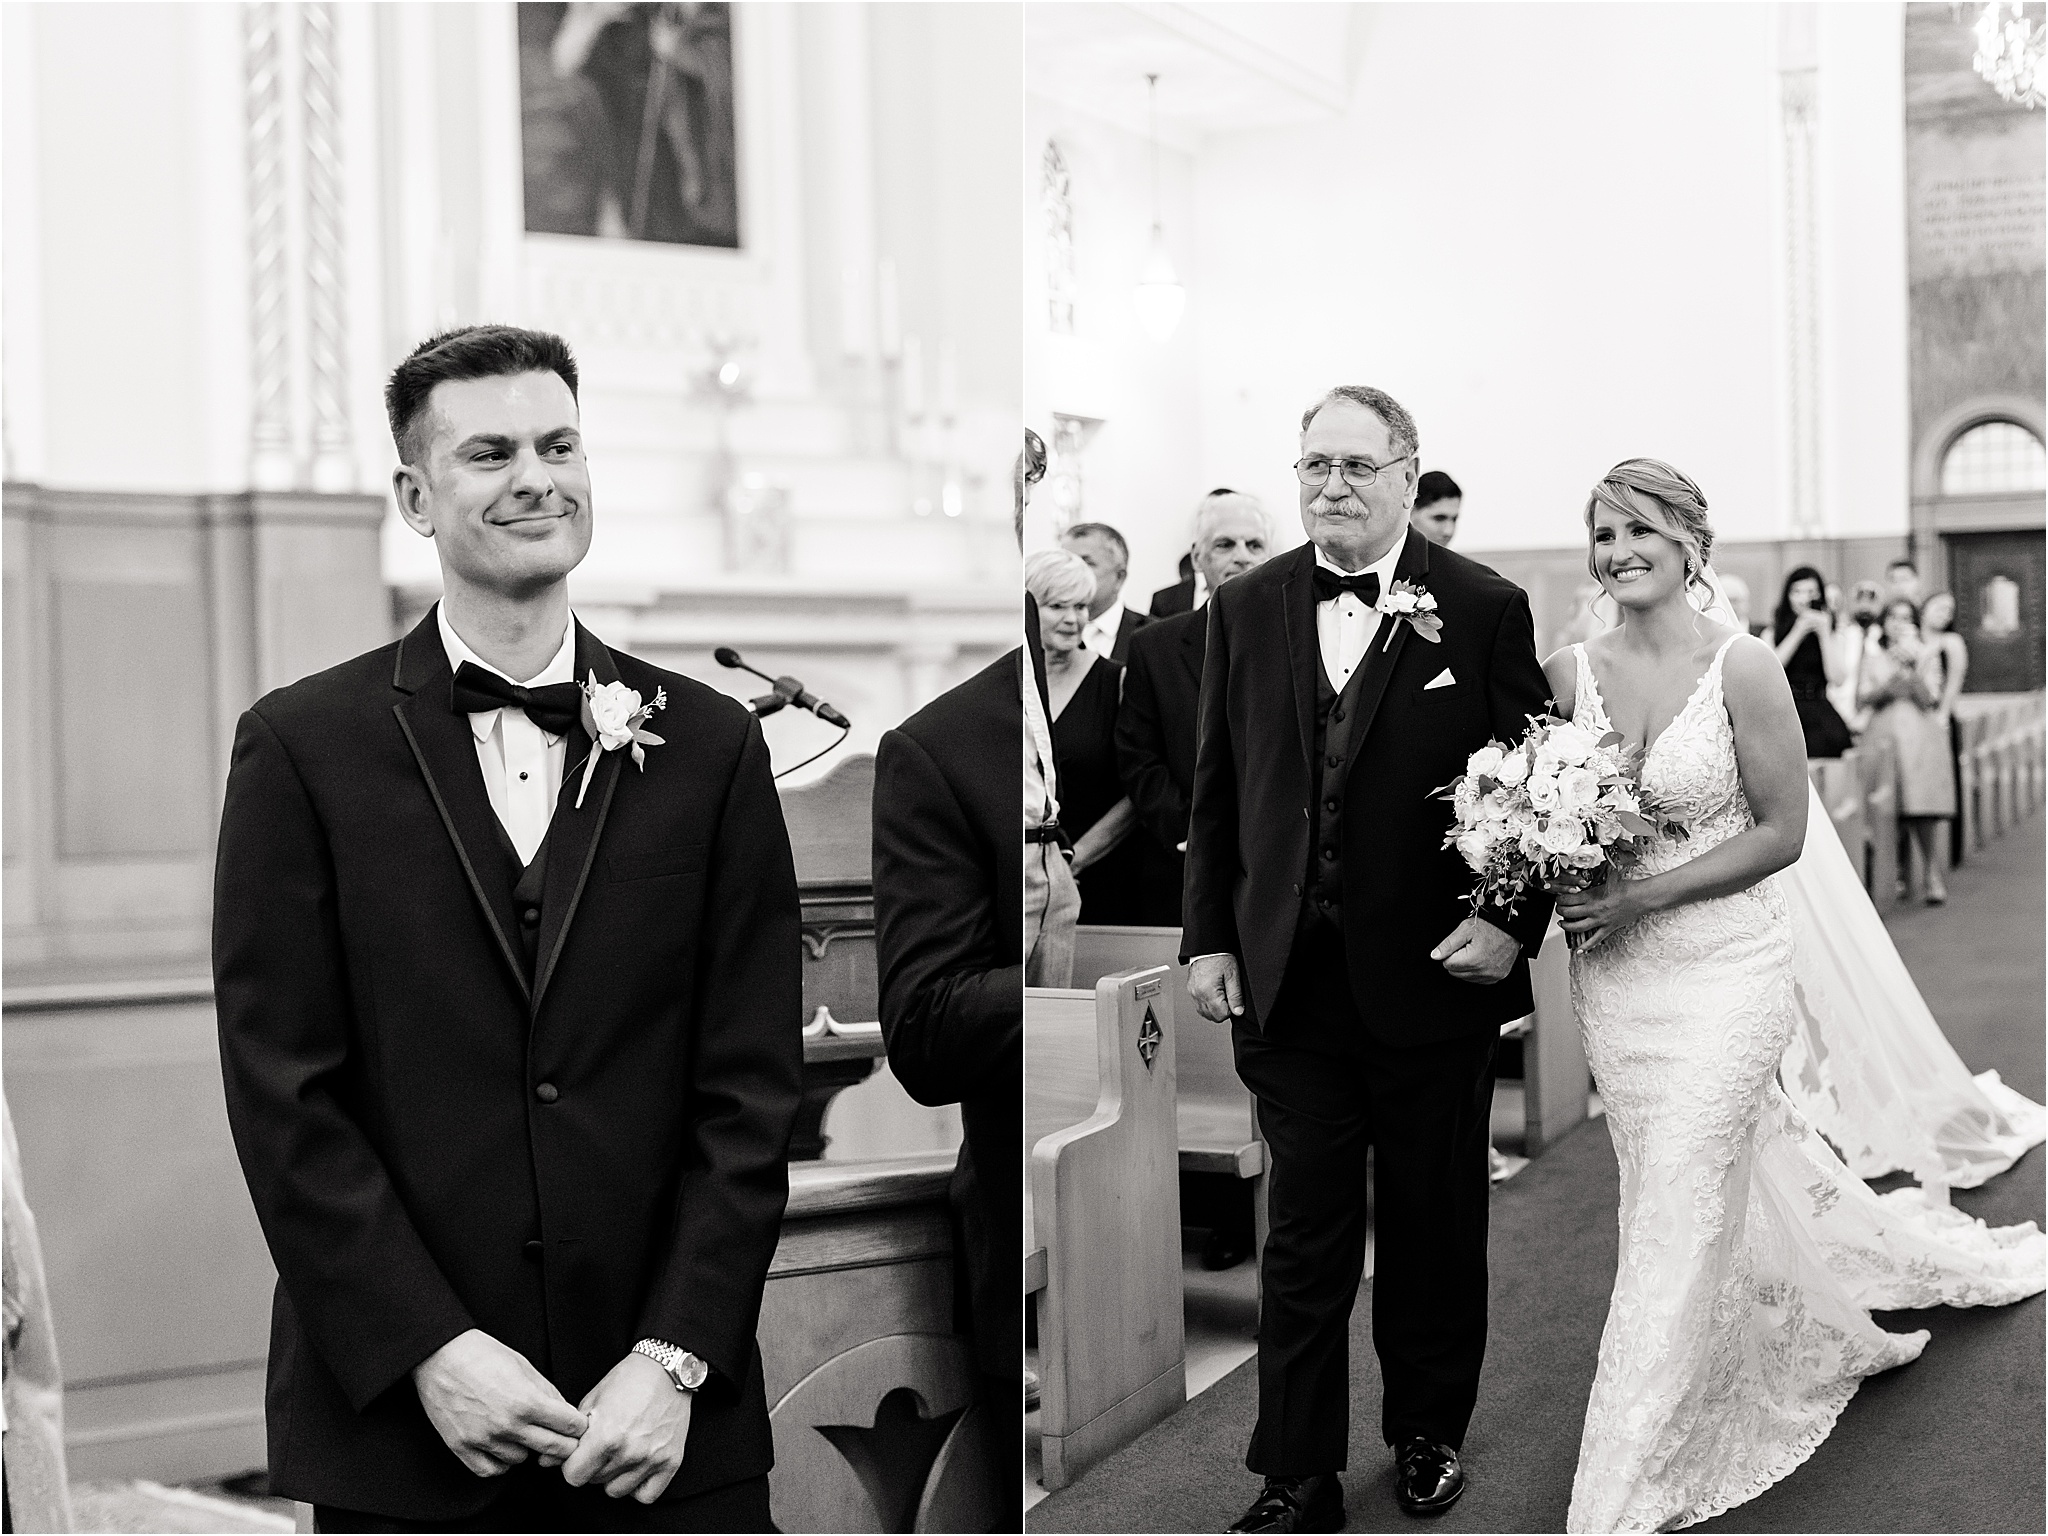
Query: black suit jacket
(1127, 626)
(1178, 598)
(949, 937)
(1251, 817)
(434, 1143)
(1155, 750)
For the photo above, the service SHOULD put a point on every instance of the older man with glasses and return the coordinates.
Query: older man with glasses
(1328, 925)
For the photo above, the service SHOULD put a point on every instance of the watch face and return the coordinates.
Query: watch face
(693, 1370)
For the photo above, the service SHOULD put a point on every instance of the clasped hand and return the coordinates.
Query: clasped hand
(1474, 951)
(1589, 913)
(494, 1410)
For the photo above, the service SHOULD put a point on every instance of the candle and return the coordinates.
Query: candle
(891, 320)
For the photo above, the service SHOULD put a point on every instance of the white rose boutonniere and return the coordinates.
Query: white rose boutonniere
(1413, 603)
(613, 715)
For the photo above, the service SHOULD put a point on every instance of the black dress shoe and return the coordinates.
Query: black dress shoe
(1224, 1249)
(1296, 1504)
(1427, 1477)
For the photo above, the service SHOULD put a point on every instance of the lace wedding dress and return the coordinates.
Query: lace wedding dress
(1867, 1064)
(1750, 1256)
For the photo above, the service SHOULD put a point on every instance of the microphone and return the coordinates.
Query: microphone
(788, 690)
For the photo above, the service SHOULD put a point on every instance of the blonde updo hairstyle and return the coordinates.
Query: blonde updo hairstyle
(1666, 499)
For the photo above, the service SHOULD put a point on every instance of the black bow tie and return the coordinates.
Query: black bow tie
(554, 707)
(1364, 585)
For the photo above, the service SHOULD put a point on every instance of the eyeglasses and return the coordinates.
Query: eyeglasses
(1358, 473)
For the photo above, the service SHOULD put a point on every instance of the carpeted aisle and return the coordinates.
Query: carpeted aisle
(1953, 1442)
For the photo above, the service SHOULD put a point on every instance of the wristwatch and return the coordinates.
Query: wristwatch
(686, 1370)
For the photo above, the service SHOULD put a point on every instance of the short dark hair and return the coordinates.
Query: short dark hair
(467, 352)
(1100, 531)
(1902, 561)
(1435, 485)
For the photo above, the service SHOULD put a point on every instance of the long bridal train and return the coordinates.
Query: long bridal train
(1868, 1065)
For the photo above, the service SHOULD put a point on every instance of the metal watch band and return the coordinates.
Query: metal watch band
(686, 1370)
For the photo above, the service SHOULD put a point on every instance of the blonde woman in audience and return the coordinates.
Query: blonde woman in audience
(1083, 689)
(1750, 1257)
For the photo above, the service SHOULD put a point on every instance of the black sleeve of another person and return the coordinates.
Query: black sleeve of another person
(1141, 750)
(948, 872)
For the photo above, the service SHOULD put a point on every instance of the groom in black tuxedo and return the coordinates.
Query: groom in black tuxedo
(511, 1039)
(1329, 926)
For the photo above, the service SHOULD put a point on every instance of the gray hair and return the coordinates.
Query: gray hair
(1058, 576)
(1400, 425)
(1216, 501)
(1100, 531)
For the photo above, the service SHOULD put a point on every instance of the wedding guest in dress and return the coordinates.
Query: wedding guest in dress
(1083, 690)
(1155, 729)
(1110, 624)
(1937, 616)
(1800, 633)
(510, 1023)
(1904, 688)
(949, 930)
(1438, 504)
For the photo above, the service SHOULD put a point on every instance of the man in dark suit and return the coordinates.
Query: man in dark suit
(1155, 726)
(1178, 598)
(1326, 922)
(949, 936)
(510, 1024)
(1110, 625)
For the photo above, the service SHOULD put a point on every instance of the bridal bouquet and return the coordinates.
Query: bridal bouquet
(1553, 807)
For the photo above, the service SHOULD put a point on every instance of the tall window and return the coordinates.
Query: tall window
(1991, 457)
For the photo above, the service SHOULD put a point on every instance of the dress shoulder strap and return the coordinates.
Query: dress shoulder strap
(1714, 666)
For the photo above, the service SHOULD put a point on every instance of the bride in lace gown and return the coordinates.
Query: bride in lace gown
(1750, 1257)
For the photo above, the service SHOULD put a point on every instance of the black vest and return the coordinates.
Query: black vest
(1336, 741)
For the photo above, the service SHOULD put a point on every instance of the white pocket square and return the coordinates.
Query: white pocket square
(1443, 679)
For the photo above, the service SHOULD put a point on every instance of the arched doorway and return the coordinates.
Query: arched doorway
(1978, 516)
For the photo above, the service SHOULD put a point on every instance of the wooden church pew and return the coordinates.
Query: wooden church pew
(1102, 1213)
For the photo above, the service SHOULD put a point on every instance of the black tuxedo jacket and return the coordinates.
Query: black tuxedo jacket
(949, 936)
(433, 1142)
(1178, 598)
(1251, 817)
(1155, 747)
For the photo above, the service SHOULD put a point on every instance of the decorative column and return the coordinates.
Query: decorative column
(270, 363)
(1798, 126)
(299, 432)
(331, 466)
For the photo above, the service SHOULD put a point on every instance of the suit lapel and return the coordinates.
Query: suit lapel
(1304, 651)
(1194, 646)
(442, 742)
(573, 832)
(1386, 649)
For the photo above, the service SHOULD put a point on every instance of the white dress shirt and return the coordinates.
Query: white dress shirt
(1099, 635)
(522, 763)
(1345, 627)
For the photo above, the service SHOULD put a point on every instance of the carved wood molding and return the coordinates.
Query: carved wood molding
(326, 264)
(270, 403)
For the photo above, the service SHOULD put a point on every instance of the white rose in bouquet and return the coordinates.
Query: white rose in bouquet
(1485, 762)
(1514, 768)
(1592, 856)
(1578, 789)
(1475, 846)
(1542, 789)
(1563, 835)
(1570, 744)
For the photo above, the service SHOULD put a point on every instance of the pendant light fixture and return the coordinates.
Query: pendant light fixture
(1159, 295)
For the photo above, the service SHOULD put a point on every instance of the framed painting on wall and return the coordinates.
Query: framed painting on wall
(627, 122)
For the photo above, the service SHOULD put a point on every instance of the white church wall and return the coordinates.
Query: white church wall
(1144, 469)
